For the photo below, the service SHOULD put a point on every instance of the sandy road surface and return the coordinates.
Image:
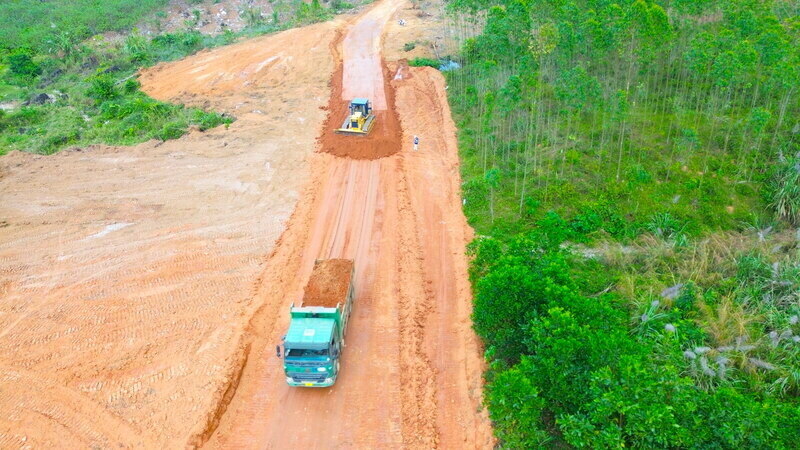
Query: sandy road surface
(361, 55)
(412, 366)
(127, 274)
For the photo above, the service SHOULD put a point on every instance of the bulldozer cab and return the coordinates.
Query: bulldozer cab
(360, 105)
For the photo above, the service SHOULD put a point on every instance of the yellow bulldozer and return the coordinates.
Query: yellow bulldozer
(360, 119)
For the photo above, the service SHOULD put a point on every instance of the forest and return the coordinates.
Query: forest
(632, 171)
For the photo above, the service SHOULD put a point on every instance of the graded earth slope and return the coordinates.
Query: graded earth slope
(127, 274)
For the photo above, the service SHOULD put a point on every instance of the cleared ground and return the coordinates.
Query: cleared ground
(204, 294)
(127, 274)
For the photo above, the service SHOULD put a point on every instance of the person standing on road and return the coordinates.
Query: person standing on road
(416, 143)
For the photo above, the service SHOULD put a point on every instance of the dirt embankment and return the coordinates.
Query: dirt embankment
(127, 274)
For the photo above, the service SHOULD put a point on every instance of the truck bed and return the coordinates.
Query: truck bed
(329, 283)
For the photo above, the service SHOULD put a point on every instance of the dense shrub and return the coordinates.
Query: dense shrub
(511, 295)
(306, 13)
(20, 63)
(570, 368)
(102, 87)
(422, 62)
(171, 130)
(516, 409)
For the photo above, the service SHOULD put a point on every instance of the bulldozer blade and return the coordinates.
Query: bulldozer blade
(355, 131)
(350, 131)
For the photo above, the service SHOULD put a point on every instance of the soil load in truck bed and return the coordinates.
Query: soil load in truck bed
(329, 283)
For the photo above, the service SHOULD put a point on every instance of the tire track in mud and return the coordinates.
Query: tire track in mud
(272, 288)
(418, 380)
(418, 399)
(452, 345)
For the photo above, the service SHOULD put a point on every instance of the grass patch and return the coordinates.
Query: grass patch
(423, 62)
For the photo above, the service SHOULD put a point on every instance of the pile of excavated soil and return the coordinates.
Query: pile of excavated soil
(127, 274)
(382, 141)
(330, 280)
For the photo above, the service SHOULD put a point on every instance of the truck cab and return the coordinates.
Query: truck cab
(312, 348)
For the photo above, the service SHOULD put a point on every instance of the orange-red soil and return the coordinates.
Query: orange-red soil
(144, 292)
(412, 368)
(127, 273)
(384, 138)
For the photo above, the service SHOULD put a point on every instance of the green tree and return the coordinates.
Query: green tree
(516, 410)
(492, 179)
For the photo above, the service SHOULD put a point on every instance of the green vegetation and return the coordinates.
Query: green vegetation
(632, 169)
(422, 62)
(76, 88)
(312, 12)
(339, 6)
(91, 95)
(52, 26)
(783, 190)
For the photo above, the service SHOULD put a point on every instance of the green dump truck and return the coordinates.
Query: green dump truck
(313, 345)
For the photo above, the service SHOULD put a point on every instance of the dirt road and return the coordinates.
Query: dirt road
(412, 367)
(144, 293)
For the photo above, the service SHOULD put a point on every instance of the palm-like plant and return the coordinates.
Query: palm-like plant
(785, 191)
(725, 323)
(252, 16)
